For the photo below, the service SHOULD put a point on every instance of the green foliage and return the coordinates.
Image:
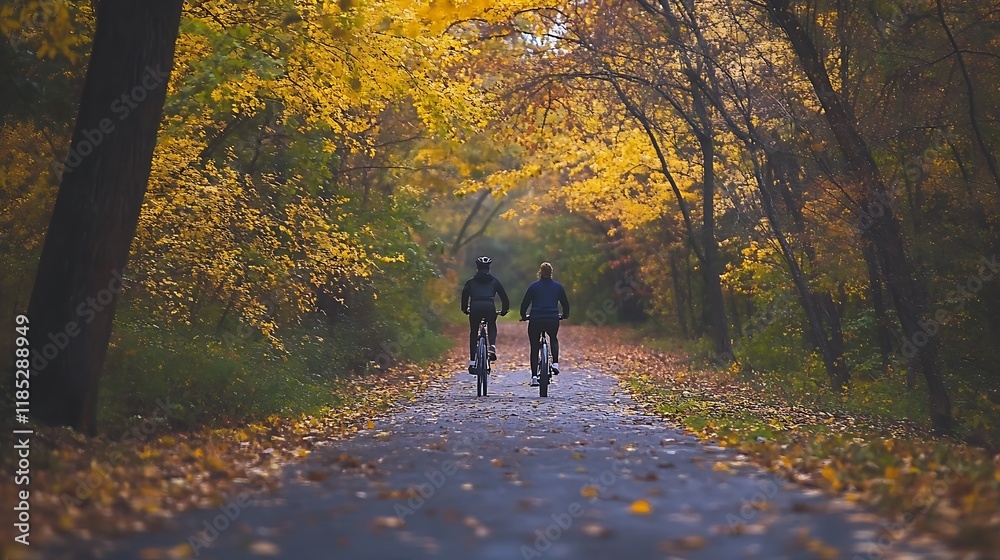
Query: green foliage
(203, 380)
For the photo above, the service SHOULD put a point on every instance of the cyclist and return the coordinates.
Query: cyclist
(478, 303)
(544, 296)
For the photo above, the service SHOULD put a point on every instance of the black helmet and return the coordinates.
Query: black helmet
(483, 262)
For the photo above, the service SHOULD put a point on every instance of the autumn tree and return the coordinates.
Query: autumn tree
(81, 271)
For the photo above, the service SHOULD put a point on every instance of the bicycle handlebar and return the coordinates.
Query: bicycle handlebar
(528, 317)
(501, 313)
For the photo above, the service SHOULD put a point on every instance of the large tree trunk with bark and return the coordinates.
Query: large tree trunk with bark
(79, 276)
(883, 229)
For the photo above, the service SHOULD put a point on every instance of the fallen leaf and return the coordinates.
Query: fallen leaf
(640, 507)
(596, 531)
(316, 476)
(691, 542)
(388, 522)
(265, 548)
(180, 551)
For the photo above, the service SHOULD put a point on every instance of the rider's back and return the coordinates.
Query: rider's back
(482, 286)
(544, 295)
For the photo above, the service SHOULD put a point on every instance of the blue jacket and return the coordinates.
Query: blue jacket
(544, 296)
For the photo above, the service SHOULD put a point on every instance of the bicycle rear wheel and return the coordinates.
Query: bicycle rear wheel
(481, 367)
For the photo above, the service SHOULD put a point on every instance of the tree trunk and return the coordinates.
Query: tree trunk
(883, 230)
(675, 275)
(832, 361)
(714, 312)
(709, 244)
(883, 331)
(984, 149)
(79, 276)
(468, 221)
(697, 326)
(832, 314)
(647, 126)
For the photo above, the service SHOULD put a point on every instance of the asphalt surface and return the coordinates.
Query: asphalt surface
(584, 473)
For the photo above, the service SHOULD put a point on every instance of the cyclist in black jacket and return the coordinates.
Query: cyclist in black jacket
(478, 303)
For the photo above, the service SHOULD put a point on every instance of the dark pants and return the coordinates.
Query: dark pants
(535, 329)
(477, 312)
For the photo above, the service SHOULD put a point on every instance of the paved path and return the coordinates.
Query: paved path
(513, 476)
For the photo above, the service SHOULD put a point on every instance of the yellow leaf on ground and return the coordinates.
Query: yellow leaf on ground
(370, 425)
(589, 492)
(831, 475)
(640, 507)
(892, 473)
(969, 502)
(180, 551)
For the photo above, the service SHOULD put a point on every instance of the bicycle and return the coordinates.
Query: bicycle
(482, 366)
(544, 363)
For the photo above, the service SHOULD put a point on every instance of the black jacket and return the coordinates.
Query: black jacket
(482, 288)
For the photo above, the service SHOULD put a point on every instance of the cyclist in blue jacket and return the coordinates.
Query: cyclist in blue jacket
(478, 303)
(544, 297)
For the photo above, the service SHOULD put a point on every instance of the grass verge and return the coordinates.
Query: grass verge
(937, 485)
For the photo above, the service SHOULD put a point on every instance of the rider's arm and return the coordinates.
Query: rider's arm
(504, 300)
(525, 303)
(564, 301)
(466, 295)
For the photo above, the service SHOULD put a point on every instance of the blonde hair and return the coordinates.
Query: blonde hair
(545, 270)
